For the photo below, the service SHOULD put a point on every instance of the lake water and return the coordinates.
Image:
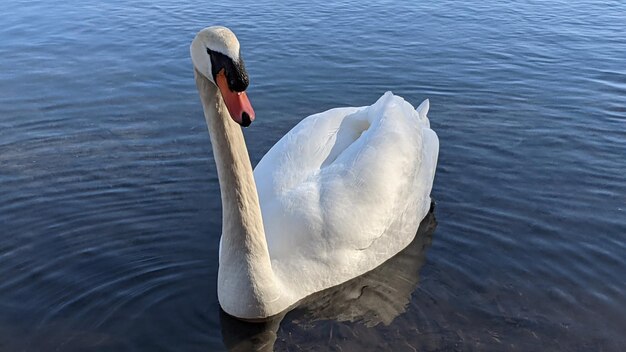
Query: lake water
(109, 203)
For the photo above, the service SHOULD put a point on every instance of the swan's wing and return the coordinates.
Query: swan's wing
(341, 179)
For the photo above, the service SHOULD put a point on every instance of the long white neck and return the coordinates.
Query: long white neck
(246, 282)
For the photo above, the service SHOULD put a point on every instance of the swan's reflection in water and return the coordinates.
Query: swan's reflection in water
(376, 297)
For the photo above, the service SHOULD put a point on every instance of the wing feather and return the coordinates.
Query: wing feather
(341, 178)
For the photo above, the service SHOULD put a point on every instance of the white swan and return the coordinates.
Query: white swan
(338, 195)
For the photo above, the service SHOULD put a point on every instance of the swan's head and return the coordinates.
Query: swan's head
(215, 54)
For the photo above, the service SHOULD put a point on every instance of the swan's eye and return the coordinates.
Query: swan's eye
(235, 71)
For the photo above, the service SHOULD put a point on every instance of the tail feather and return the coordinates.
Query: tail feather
(423, 108)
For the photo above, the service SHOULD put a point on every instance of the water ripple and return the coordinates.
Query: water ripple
(109, 206)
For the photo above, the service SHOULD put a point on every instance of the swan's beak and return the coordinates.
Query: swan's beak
(237, 103)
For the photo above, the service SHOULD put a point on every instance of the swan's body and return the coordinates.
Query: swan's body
(338, 195)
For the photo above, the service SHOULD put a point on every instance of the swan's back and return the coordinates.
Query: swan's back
(346, 189)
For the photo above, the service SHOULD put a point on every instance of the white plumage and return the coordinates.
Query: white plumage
(345, 190)
(339, 194)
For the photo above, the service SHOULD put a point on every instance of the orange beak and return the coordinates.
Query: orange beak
(237, 103)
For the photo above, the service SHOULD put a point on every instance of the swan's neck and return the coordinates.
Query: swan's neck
(246, 281)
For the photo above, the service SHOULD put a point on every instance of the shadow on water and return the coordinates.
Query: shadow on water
(376, 297)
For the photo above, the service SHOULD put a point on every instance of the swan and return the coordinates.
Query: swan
(334, 198)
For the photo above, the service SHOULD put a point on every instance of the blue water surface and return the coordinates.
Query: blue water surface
(110, 213)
